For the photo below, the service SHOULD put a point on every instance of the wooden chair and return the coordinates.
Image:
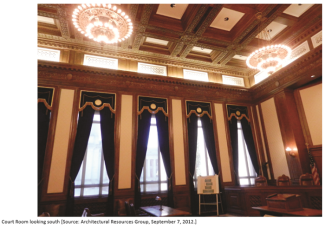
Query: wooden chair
(44, 214)
(260, 181)
(86, 213)
(306, 180)
(283, 181)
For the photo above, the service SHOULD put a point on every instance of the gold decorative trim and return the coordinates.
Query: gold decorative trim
(153, 111)
(198, 115)
(97, 108)
(45, 103)
(238, 118)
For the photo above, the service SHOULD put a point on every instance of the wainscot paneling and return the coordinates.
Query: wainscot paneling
(240, 200)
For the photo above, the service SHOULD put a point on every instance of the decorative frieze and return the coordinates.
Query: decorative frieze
(91, 60)
(116, 80)
(298, 52)
(152, 69)
(195, 75)
(317, 39)
(48, 54)
(238, 81)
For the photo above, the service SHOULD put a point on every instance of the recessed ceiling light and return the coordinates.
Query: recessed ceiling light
(312, 75)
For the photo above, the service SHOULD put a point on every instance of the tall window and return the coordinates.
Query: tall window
(92, 179)
(153, 177)
(246, 172)
(203, 165)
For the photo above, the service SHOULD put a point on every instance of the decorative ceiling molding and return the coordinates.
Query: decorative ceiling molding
(63, 22)
(309, 29)
(274, 10)
(141, 28)
(46, 14)
(65, 74)
(133, 13)
(178, 51)
(141, 56)
(197, 19)
(208, 20)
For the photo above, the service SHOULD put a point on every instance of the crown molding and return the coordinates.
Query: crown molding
(77, 75)
(51, 41)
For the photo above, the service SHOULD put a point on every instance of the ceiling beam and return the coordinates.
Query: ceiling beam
(133, 13)
(201, 29)
(141, 28)
(63, 20)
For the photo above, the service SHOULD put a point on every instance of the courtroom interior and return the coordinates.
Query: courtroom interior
(179, 109)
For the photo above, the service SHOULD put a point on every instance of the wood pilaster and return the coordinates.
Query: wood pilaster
(292, 134)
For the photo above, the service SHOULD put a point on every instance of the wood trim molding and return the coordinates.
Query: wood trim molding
(266, 145)
(301, 112)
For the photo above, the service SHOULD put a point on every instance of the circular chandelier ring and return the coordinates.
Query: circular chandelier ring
(268, 58)
(102, 22)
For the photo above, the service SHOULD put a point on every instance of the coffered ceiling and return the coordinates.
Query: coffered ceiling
(209, 37)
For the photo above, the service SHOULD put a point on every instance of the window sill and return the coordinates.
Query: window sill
(91, 198)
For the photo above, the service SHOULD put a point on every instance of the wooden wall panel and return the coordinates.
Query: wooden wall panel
(274, 139)
(263, 145)
(61, 142)
(178, 140)
(312, 107)
(223, 146)
(240, 200)
(126, 137)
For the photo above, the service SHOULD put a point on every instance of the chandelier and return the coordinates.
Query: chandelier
(102, 22)
(268, 58)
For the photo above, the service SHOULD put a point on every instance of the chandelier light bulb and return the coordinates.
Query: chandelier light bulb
(268, 58)
(102, 22)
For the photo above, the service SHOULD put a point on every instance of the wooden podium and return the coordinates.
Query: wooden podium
(285, 202)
